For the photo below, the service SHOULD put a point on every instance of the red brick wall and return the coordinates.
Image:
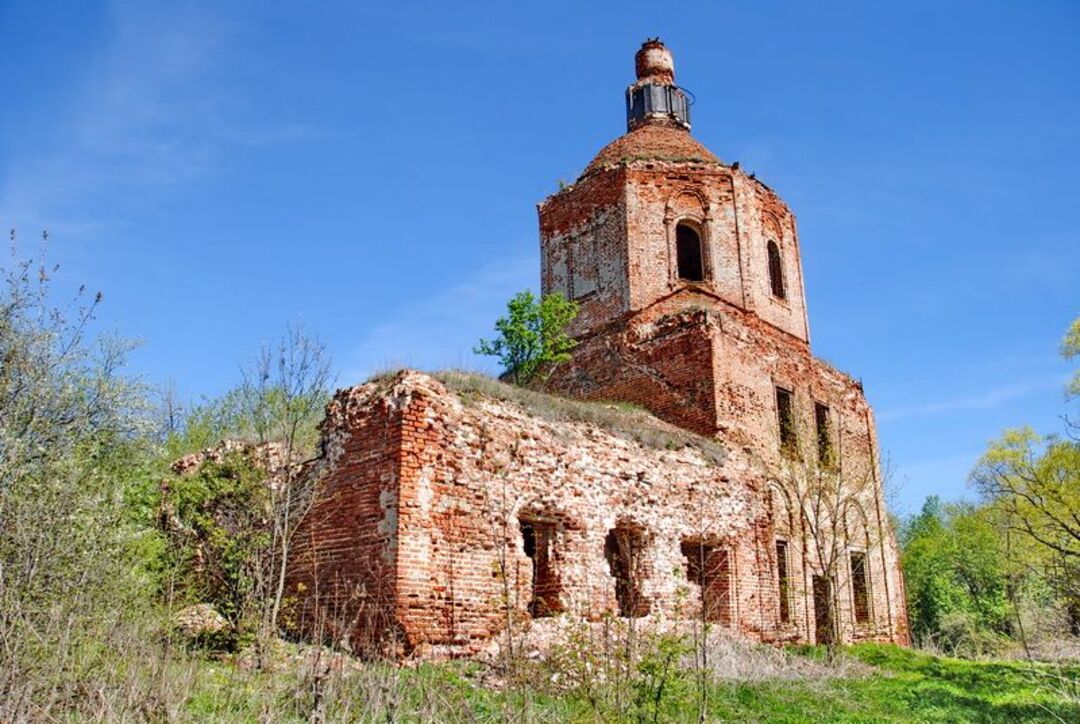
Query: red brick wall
(469, 470)
(716, 372)
(626, 217)
(663, 365)
(341, 585)
(584, 251)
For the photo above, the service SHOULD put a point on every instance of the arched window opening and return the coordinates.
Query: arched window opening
(776, 271)
(783, 525)
(688, 251)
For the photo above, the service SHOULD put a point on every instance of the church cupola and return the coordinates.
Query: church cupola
(654, 97)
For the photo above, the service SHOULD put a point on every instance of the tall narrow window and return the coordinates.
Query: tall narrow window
(776, 271)
(688, 253)
(782, 580)
(860, 591)
(538, 540)
(824, 440)
(623, 549)
(785, 413)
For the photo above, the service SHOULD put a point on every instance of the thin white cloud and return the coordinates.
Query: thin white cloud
(155, 109)
(439, 331)
(982, 401)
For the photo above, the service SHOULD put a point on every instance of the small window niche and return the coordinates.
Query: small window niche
(860, 586)
(785, 414)
(708, 566)
(688, 253)
(624, 549)
(538, 538)
(776, 271)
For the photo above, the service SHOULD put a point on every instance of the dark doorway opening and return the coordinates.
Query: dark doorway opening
(623, 548)
(688, 252)
(538, 539)
(823, 628)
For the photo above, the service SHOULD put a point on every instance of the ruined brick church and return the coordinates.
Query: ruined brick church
(755, 500)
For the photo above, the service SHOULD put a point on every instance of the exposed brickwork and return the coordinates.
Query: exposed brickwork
(438, 513)
(651, 143)
(344, 561)
(471, 470)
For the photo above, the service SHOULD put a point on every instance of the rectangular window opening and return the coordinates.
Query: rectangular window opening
(782, 580)
(785, 412)
(824, 440)
(709, 568)
(623, 549)
(860, 589)
(538, 540)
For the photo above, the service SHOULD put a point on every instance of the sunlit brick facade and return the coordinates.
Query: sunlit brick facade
(435, 508)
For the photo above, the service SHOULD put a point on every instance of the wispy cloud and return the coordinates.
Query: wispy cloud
(440, 331)
(981, 401)
(156, 108)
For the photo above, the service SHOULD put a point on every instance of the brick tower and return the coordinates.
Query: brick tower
(680, 263)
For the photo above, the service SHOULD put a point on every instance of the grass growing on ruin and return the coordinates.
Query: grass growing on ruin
(624, 420)
(890, 684)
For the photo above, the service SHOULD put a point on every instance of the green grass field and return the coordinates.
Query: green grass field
(895, 685)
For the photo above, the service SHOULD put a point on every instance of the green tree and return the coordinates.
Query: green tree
(1033, 482)
(956, 576)
(1070, 350)
(532, 336)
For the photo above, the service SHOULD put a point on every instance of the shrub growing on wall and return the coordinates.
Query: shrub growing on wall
(532, 336)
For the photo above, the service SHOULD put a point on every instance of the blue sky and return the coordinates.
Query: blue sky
(371, 170)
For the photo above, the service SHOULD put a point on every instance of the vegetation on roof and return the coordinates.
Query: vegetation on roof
(621, 419)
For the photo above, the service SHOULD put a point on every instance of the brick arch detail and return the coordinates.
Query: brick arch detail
(699, 215)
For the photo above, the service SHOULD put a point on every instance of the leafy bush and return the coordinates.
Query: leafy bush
(72, 445)
(216, 518)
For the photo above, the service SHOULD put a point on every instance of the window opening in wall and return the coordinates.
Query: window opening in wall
(709, 567)
(782, 580)
(823, 622)
(860, 591)
(623, 549)
(785, 413)
(824, 441)
(538, 539)
(776, 271)
(688, 252)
